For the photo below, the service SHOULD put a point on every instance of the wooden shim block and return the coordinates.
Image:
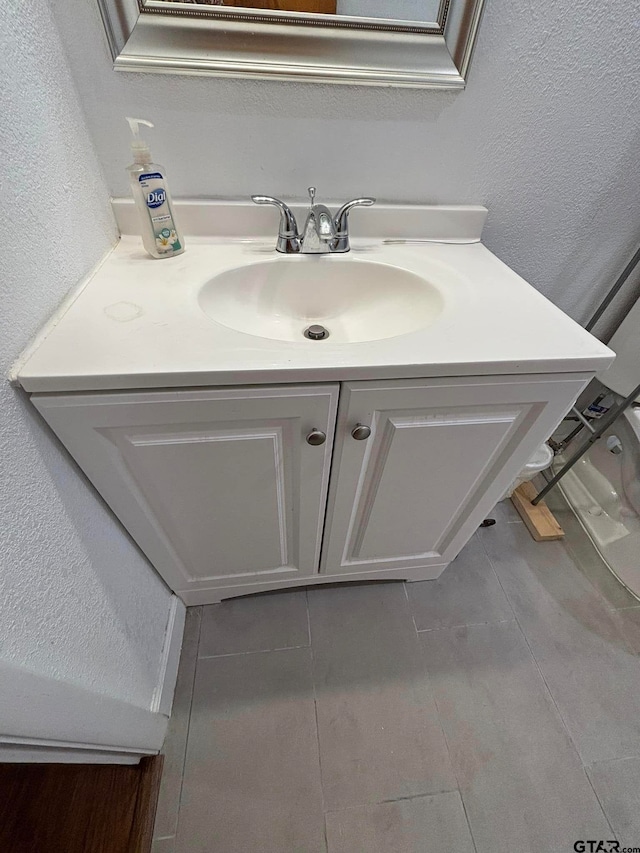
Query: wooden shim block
(539, 519)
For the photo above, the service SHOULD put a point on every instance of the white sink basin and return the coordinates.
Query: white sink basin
(354, 300)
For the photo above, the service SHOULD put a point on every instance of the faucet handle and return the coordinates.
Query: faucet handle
(288, 236)
(312, 195)
(341, 222)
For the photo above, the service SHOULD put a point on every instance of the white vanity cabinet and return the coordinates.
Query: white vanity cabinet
(217, 487)
(225, 495)
(441, 453)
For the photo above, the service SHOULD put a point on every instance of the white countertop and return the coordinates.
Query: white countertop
(137, 324)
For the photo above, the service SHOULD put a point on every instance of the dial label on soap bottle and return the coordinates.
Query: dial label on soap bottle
(164, 229)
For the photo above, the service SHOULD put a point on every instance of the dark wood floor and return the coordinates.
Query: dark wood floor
(78, 808)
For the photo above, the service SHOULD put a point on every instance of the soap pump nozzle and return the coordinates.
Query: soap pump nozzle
(140, 148)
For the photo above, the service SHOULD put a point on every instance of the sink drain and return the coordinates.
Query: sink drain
(316, 333)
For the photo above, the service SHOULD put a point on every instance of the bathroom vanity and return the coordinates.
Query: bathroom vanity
(242, 456)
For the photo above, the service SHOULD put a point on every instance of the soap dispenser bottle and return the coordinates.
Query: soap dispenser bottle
(160, 235)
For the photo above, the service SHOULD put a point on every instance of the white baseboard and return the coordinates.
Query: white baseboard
(26, 751)
(162, 699)
(41, 715)
(43, 719)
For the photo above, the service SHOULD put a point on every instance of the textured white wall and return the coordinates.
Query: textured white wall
(546, 135)
(77, 601)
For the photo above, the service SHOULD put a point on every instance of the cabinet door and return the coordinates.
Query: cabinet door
(440, 455)
(217, 487)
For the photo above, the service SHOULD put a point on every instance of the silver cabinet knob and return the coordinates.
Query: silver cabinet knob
(316, 437)
(361, 432)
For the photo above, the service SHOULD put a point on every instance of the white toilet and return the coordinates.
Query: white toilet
(603, 488)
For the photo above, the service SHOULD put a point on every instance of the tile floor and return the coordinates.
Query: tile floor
(494, 710)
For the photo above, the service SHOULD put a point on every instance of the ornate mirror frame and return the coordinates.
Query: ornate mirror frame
(183, 38)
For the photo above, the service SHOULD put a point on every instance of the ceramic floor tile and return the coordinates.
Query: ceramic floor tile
(164, 845)
(629, 622)
(521, 780)
(584, 649)
(504, 511)
(434, 824)
(175, 744)
(380, 738)
(252, 774)
(466, 593)
(258, 623)
(544, 574)
(617, 784)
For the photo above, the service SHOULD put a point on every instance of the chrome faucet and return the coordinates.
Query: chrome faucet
(322, 234)
(319, 230)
